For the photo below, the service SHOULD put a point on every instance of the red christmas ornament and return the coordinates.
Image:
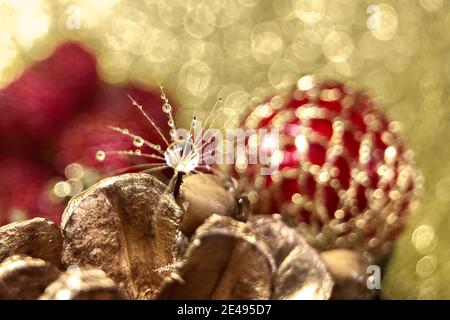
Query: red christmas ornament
(344, 178)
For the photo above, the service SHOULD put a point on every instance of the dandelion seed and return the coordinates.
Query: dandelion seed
(182, 155)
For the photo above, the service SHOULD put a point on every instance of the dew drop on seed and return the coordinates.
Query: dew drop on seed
(138, 141)
(166, 108)
(100, 155)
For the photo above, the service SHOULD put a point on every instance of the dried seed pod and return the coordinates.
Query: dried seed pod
(83, 284)
(349, 271)
(301, 274)
(224, 261)
(201, 196)
(38, 238)
(25, 278)
(127, 226)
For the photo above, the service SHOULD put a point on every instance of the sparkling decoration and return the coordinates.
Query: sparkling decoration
(243, 50)
(343, 177)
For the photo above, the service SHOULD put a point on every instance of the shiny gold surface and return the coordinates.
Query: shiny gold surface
(243, 50)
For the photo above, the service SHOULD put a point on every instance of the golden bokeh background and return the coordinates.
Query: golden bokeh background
(243, 50)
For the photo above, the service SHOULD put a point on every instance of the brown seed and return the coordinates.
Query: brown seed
(83, 284)
(126, 226)
(224, 261)
(25, 278)
(201, 196)
(349, 271)
(38, 238)
(301, 273)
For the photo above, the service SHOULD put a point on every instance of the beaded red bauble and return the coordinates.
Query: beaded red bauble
(344, 177)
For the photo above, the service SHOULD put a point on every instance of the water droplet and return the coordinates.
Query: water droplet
(126, 131)
(173, 133)
(100, 155)
(138, 141)
(166, 108)
(158, 147)
(137, 152)
(171, 123)
(182, 155)
(220, 99)
(244, 209)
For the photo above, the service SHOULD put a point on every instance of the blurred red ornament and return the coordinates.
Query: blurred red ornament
(33, 110)
(344, 177)
(53, 120)
(39, 103)
(25, 191)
